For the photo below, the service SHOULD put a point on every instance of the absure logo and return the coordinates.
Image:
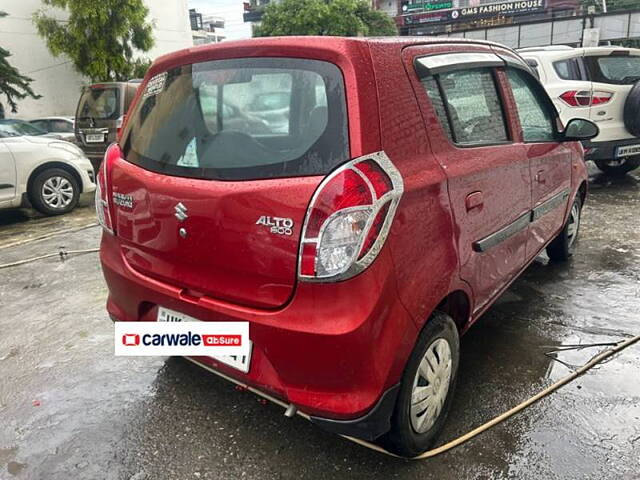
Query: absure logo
(131, 339)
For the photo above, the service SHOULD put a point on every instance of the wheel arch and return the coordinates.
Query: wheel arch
(582, 191)
(46, 166)
(457, 304)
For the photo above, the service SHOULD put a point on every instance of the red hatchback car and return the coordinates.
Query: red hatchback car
(411, 181)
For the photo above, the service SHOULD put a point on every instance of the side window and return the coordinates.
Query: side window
(61, 126)
(567, 69)
(42, 124)
(536, 116)
(431, 86)
(469, 108)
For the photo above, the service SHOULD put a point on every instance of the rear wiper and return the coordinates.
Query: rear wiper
(631, 79)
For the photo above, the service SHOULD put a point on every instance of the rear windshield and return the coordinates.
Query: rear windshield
(99, 103)
(241, 119)
(616, 69)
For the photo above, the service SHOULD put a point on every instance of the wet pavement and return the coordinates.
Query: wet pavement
(70, 409)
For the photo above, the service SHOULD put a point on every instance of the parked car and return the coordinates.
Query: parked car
(62, 127)
(273, 108)
(100, 115)
(51, 174)
(359, 246)
(233, 118)
(601, 84)
(15, 128)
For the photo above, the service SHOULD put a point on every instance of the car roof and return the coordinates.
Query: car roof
(60, 117)
(552, 51)
(340, 45)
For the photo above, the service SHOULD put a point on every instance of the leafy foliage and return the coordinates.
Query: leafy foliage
(348, 18)
(100, 36)
(13, 85)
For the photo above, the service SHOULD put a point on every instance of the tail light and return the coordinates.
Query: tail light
(103, 203)
(349, 218)
(585, 98)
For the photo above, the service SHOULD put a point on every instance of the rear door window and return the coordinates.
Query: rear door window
(568, 69)
(61, 126)
(241, 119)
(468, 105)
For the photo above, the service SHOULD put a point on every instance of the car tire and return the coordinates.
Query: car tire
(622, 168)
(413, 431)
(54, 191)
(562, 247)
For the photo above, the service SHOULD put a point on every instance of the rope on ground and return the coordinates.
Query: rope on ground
(49, 235)
(62, 254)
(602, 356)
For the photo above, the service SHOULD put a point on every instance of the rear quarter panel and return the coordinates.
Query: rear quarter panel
(421, 239)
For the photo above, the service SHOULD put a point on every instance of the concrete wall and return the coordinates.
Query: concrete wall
(54, 78)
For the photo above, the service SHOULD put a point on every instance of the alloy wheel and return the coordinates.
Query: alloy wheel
(57, 192)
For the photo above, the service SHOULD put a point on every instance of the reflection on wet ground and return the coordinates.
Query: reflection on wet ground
(69, 409)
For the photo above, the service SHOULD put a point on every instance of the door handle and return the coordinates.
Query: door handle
(541, 177)
(474, 200)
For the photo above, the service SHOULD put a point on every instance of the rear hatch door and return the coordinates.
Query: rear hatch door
(613, 75)
(211, 201)
(98, 112)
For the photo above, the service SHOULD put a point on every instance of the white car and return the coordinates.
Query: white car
(601, 84)
(63, 127)
(50, 173)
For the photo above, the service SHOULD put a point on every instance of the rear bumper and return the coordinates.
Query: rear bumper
(607, 150)
(336, 351)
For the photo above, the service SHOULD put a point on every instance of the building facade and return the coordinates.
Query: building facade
(435, 17)
(54, 77)
(206, 28)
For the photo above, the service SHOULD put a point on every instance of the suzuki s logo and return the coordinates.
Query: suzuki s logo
(181, 212)
(277, 225)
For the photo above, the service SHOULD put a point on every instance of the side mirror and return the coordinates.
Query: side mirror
(580, 129)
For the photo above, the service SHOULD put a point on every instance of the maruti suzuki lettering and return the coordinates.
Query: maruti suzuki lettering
(401, 187)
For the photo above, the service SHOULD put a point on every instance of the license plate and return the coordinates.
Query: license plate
(94, 137)
(239, 362)
(628, 150)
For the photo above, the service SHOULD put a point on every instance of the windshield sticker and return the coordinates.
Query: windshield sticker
(155, 85)
(190, 156)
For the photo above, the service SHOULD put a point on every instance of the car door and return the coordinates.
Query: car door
(7, 174)
(488, 174)
(550, 159)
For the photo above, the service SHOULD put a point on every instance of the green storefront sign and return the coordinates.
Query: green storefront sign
(428, 5)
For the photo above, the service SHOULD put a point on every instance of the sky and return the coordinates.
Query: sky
(230, 10)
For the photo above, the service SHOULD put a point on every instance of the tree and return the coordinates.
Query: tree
(100, 36)
(348, 18)
(13, 85)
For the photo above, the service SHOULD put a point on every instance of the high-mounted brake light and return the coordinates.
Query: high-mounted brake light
(103, 204)
(349, 218)
(585, 98)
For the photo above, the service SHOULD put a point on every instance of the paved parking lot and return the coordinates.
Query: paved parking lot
(70, 409)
